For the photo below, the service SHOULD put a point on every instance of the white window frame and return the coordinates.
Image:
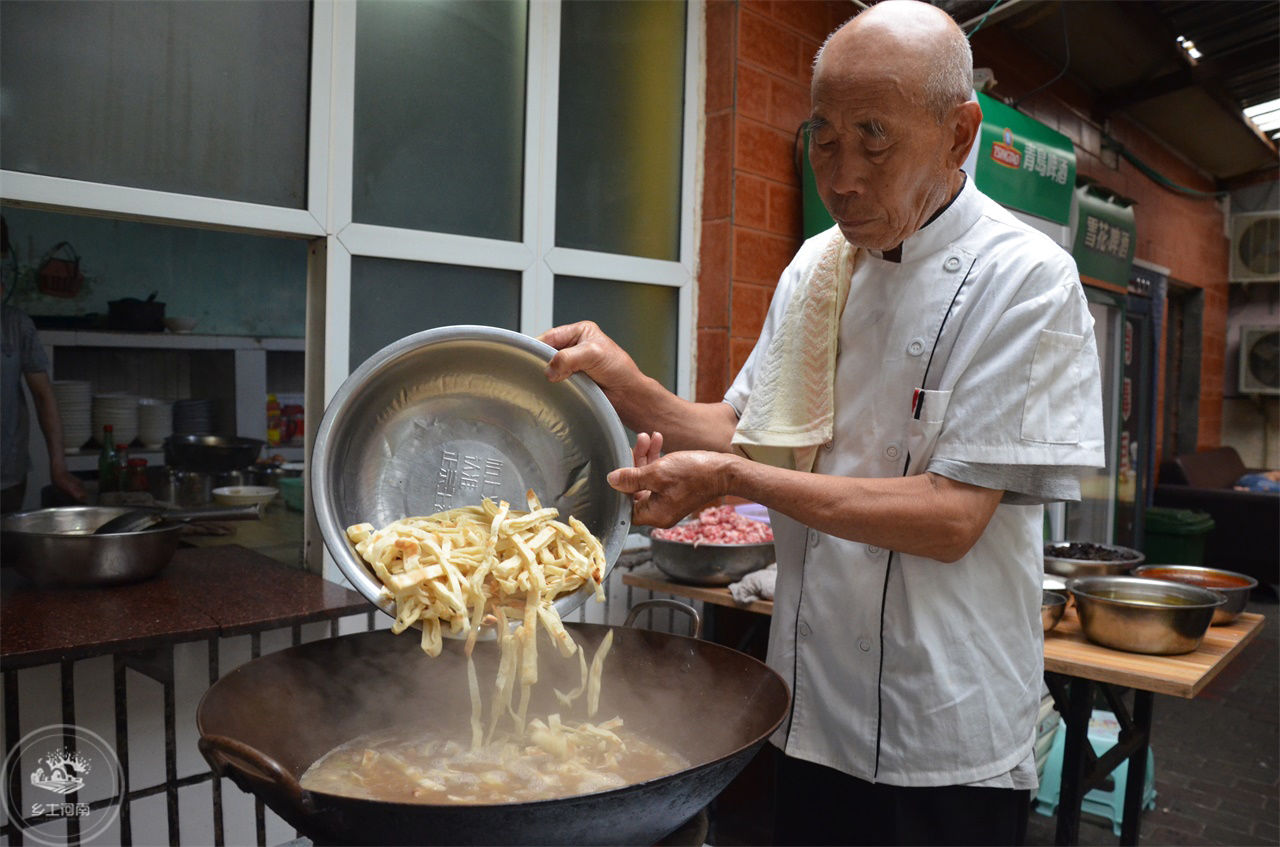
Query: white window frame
(336, 239)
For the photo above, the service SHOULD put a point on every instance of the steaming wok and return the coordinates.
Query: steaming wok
(263, 725)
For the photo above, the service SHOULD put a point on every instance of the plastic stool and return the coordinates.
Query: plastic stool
(1104, 729)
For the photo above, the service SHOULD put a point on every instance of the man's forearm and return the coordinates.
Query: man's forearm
(684, 425)
(924, 515)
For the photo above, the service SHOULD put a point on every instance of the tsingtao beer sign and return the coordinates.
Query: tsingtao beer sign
(1023, 164)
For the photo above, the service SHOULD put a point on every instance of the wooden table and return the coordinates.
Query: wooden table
(202, 594)
(1074, 669)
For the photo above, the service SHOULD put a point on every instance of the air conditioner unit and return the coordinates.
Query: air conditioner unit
(1255, 247)
(1259, 360)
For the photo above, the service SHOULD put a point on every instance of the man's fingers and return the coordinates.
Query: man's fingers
(626, 480)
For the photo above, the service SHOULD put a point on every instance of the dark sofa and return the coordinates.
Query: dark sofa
(1246, 533)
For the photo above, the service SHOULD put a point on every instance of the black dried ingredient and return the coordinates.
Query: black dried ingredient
(1086, 551)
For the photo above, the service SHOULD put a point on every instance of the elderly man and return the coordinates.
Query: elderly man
(925, 381)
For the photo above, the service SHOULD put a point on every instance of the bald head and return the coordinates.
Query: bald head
(918, 44)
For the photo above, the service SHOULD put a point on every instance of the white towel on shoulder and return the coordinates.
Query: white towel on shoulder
(791, 410)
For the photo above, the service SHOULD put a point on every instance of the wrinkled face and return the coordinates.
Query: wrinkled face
(881, 161)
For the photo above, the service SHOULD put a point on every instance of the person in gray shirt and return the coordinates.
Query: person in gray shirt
(25, 358)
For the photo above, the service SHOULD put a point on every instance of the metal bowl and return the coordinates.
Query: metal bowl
(1143, 615)
(1121, 560)
(210, 453)
(709, 564)
(1052, 605)
(57, 547)
(1234, 586)
(445, 417)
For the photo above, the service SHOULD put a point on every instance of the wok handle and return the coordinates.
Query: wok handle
(645, 605)
(264, 772)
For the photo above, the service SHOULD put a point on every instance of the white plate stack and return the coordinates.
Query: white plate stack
(191, 416)
(119, 410)
(75, 405)
(155, 421)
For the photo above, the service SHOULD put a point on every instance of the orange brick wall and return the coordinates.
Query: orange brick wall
(758, 68)
(759, 54)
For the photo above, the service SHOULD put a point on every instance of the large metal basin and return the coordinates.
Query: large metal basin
(448, 416)
(57, 547)
(1140, 615)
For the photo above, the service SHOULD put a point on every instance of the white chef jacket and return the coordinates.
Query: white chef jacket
(903, 669)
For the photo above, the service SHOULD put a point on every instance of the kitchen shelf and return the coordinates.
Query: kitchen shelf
(237, 371)
(166, 340)
(87, 460)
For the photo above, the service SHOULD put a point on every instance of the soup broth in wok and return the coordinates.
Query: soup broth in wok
(412, 766)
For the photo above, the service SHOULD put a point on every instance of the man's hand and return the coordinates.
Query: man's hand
(68, 482)
(584, 347)
(667, 489)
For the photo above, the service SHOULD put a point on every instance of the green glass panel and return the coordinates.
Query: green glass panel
(643, 319)
(621, 127)
(391, 299)
(439, 116)
(230, 283)
(160, 95)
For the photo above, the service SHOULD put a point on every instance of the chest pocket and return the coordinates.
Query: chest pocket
(929, 411)
(1052, 410)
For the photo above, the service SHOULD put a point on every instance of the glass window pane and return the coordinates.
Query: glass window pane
(231, 283)
(1092, 518)
(391, 299)
(643, 319)
(439, 116)
(621, 125)
(201, 97)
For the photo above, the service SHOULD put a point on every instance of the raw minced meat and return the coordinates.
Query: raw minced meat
(718, 525)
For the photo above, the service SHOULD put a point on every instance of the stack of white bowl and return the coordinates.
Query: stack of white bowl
(119, 410)
(155, 421)
(192, 415)
(75, 403)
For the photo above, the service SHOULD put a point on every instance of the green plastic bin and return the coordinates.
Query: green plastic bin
(1176, 536)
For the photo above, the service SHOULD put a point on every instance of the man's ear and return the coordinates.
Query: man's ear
(966, 121)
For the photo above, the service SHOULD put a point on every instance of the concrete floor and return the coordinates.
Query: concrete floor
(1217, 757)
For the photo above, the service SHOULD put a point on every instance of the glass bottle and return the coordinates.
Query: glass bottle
(108, 462)
(137, 479)
(273, 420)
(122, 466)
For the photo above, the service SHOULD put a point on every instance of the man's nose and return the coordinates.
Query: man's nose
(847, 175)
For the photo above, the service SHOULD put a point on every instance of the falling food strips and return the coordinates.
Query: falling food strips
(489, 565)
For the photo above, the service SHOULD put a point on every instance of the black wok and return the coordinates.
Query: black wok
(263, 724)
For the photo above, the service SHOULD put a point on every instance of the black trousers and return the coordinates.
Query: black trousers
(819, 805)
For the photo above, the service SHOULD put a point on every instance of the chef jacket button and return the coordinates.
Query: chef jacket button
(892, 451)
(952, 264)
(827, 446)
(864, 644)
(813, 538)
(872, 550)
(916, 347)
(804, 630)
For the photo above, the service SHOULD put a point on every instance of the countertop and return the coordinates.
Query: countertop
(278, 534)
(203, 592)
